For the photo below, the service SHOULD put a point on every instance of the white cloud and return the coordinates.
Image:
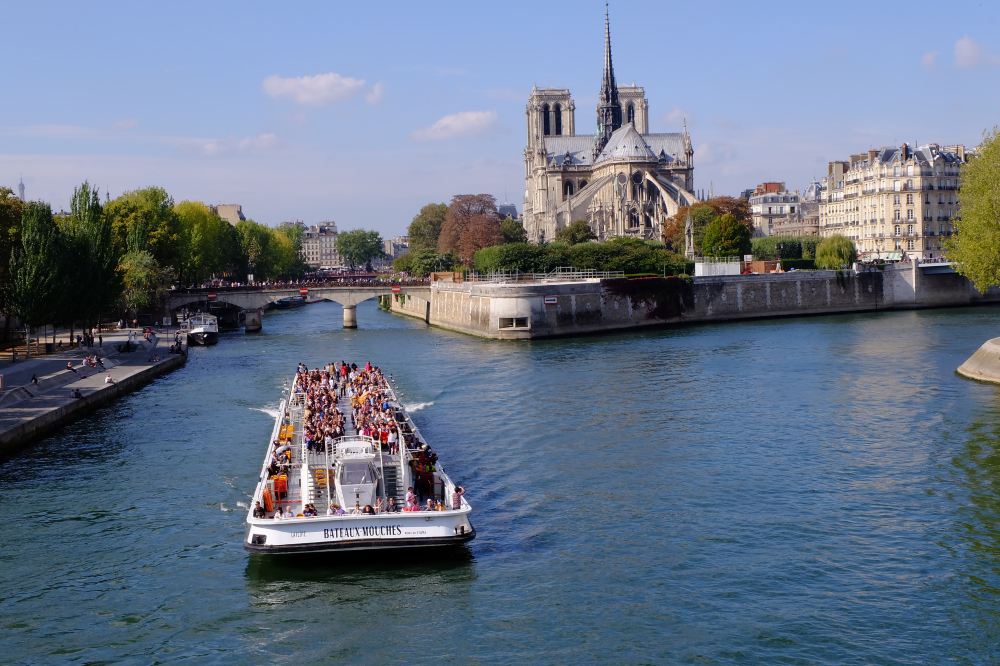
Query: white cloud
(315, 90)
(464, 123)
(970, 53)
(258, 142)
(929, 60)
(125, 124)
(218, 147)
(374, 96)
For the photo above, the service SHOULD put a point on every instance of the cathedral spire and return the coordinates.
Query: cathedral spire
(609, 109)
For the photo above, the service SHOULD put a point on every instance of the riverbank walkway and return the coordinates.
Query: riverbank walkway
(44, 392)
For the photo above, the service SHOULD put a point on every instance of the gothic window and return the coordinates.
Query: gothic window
(546, 127)
(633, 218)
(631, 113)
(567, 189)
(557, 112)
(582, 185)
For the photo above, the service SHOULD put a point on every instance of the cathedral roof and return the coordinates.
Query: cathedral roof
(570, 150)
(626, 144)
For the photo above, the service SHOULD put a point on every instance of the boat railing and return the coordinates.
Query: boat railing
(262, 481)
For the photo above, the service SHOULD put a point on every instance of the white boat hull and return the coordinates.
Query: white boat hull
(384, 531)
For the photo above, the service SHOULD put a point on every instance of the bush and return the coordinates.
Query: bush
(835, 252)
(792, 247)
(725, 236)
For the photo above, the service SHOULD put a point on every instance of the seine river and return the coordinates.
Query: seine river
(798, 491)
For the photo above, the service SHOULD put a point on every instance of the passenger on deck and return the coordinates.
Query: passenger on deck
(356, 511)
(430, 505)
(310, 511)
(411, 497)
(379, 506)
(368, 510)
(456, 497)
(278, 514)
(335, 510)
(391, 506)
(258, 511)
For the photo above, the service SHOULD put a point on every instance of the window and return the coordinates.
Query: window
(909, 198)
(514, 322)
(895, 171)
(909, 214)
(909, 245)
(546, 126)
(895, 199)
(557, 111)
(896, 230)
(895, 214)
(909, 230)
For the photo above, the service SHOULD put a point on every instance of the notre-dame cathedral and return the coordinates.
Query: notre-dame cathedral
(623, 180)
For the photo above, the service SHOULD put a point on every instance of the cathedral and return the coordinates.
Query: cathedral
(622, 180)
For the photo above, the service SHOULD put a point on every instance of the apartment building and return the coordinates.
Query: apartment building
(894, 202)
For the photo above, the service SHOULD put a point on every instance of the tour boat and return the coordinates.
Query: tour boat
(356, 471)
(202, 329)
(289, 302)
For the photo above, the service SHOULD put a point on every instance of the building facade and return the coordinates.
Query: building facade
(777, 211)
(319, 245)
(894, 202)
(231, 213)
(623, 180)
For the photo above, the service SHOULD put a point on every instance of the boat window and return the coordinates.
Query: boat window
(357, 472)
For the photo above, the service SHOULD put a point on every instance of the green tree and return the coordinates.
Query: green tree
(145, 220)
(421, 263)
(95, 284)
(835, 252)
(11, 210)
(143, 280)
(522, 257)
(725, 236)
(286, 251)
(254, 242)
(36, 281)
(209, 244)
(975, 247)
(576, 232)
(512, 231)
(425, 227)
(360, 247)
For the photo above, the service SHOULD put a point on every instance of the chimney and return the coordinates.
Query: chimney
(904, 152)
(871, 156)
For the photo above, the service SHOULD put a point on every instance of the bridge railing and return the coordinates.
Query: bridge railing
(311, 284)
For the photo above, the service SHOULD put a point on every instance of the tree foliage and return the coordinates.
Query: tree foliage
(209, 245)
(11, 210)
(576, 232)
(425, 227)
(91, 253)
(835, 252)
(725, 236)
(35, 266)
(145, 220)
(629, 255)
(788, 247)
(420, 263)
(471, 223)
(512, 231)
(360, 247)
(975, 247)
(703, 213)
(143, 279)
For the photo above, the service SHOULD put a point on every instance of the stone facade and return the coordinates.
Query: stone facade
(776, 211)
(894, 202)
(623, 180)
(319, 245)
(231, 213)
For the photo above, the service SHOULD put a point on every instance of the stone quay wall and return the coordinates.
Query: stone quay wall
(52, 412)
(538, 310)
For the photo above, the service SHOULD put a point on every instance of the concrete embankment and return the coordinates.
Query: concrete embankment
(528, 310)
(984, 365)
(32, 410)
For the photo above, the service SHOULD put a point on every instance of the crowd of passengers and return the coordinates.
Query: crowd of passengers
(372, 416)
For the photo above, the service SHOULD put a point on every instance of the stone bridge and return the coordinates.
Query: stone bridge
(255, 300)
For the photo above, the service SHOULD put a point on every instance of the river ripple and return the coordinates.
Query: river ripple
(795, 491)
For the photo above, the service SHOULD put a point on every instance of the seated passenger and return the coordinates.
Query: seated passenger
(356, 511)
(391, 506)
(278, 514)
(258, 511)
(430, 505)
(368, 510)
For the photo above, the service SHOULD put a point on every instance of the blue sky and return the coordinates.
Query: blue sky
(363, 112)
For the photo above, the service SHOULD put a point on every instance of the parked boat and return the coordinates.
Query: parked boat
(353, 482)
(202, 329)
(289, 302)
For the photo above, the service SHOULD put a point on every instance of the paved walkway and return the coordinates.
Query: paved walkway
(22, 400)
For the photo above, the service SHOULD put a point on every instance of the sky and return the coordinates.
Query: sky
(362, 112)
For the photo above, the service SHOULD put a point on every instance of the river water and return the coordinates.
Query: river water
(797, 491)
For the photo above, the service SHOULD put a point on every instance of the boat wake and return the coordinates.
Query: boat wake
(415, 406)
(273, 413)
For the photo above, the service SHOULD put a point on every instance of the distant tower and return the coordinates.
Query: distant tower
(20, 188)
(609, 108)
